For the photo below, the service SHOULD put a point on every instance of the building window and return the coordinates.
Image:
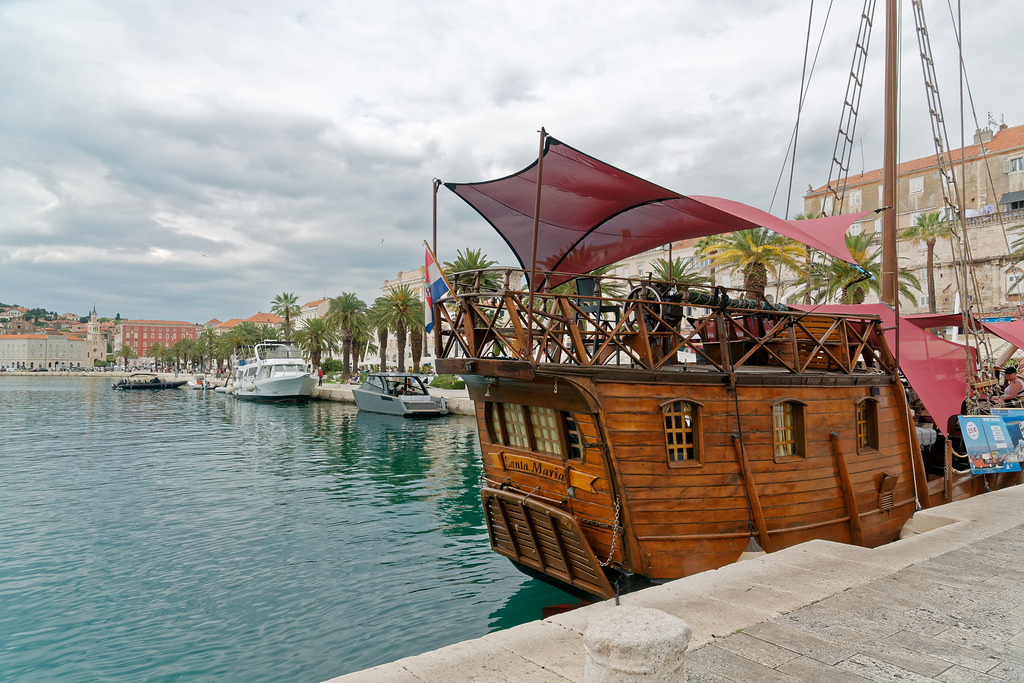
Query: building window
(682, 433)
(867, 424)
(826, 206)
(917, 185)
(1015, 165)
(855, 199)
(788, 429)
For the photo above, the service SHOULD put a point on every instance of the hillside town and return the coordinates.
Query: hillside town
(992, 172)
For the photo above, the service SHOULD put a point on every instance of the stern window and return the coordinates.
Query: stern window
(572, 430)
(515, 422)
(545, 430)
(788, 428)
(867, 424)
(681, 433)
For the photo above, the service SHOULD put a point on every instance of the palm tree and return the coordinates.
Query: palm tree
(208, 343)
(472, 259)
(179, 351)
(156, 351)
(927, 228)
(379, 321)
(847, 283)
(754, 252)
(316, 337)
(286, 305)
(345, 313)
(126, 353)
(680, 273)
(400, 309)
(416, 333)
(268, 332)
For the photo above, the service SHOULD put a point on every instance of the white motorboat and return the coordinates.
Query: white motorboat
(398, 393)
(276, 371)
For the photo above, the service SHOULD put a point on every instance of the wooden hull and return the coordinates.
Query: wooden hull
(635, 512)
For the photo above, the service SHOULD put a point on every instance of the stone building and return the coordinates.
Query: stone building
(991, 171)
(41, 351)
(141, 335)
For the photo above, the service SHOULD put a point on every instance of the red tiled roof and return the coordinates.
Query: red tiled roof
(264, 318)
(1004, 140)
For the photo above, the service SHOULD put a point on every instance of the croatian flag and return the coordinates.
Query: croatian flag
(436, 288)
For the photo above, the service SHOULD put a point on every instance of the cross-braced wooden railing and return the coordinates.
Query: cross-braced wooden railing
(649, 328)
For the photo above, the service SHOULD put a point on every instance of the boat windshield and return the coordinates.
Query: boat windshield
(405, 386)
(287, 369)
(281, 351)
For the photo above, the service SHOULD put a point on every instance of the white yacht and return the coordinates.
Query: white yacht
(275, 371)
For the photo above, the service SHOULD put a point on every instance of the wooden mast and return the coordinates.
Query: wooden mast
(889, 286)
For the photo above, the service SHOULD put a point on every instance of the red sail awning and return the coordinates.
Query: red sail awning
(593, 214)
(1012, 331)
(936, 368)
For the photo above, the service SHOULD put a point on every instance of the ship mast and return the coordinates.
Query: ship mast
(889, 288)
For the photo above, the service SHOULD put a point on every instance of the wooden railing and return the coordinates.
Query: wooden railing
(647, 325)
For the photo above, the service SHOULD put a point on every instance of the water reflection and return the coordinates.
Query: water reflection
(186, 533)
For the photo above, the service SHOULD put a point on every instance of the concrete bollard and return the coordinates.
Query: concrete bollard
(627, 644)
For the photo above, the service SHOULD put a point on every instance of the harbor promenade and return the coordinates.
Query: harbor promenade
(943, 604)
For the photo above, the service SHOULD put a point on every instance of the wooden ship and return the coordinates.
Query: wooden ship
(607, 459)
(636, 431)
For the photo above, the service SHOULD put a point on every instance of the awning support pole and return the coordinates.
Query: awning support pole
(536, 231)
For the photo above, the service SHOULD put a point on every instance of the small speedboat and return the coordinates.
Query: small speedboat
(398, 393)
(147, 380)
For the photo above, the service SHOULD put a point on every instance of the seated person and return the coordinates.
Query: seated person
(1014, 388)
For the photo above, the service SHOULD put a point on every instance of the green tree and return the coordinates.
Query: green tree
(179, 352)
(463, 268)
(126, 353)
(402, 309)
(286, 305)
(680, 273)
(848, 284)
(348, 313)
(317, 337)
(156, 352)
(379, 321)
(755, 253)
(927, 228)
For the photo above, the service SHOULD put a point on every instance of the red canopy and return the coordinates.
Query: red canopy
(1012, 331)
(935, 368)
(593, 214)
(928, 320)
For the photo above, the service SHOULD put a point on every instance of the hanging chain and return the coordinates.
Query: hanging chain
(615, 533)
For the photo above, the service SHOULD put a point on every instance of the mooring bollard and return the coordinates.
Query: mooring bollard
(627, 644)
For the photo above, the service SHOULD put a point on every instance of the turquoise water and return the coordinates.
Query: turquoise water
(183, 535)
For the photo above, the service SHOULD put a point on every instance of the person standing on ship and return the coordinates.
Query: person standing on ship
(1014, 388)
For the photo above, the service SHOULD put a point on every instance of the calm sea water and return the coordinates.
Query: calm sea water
(183, 535)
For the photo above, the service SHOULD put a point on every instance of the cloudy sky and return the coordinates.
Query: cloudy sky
(189, 160)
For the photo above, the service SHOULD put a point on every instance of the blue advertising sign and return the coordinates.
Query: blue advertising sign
(990, 448)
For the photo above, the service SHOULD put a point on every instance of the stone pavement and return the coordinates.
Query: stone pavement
(946, 604)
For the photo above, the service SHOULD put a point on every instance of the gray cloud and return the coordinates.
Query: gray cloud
(193, 160)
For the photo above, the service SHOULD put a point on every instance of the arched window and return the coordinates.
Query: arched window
(788, 429)
(682, 432)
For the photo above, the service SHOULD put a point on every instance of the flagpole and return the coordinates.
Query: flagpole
(437, 184)
(536, 231)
